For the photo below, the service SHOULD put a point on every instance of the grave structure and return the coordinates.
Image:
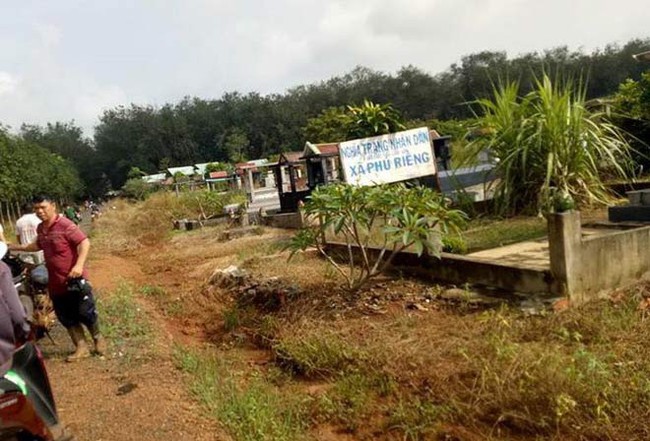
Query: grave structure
(637, 209)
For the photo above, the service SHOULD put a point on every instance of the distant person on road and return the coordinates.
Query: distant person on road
(66, 249)
(94, 211)
(26, 226)
(71, 214)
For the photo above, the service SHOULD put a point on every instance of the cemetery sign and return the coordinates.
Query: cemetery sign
(387, 158)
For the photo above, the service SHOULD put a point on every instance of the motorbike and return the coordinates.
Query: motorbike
(30, 281)
(27, 408)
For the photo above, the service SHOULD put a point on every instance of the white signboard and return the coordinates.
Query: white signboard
(388, 158)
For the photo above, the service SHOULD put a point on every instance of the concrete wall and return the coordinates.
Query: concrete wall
(615, 259)
(580, 267)
(461, 270)
(584, 267)
(284, 220)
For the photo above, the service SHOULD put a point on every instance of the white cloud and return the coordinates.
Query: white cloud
(8, 83)
(70, 59)
(50, 35)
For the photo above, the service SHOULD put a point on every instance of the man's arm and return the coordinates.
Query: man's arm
(82, 253)
(29, 247)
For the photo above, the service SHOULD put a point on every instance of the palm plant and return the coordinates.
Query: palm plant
(370, 119)
(548, 143)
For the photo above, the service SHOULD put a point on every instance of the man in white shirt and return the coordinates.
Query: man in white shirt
(26, 234)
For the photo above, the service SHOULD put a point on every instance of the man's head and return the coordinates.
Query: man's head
(44, 207)
(26, 208)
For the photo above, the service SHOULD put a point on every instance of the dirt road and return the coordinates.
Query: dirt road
(113, 399)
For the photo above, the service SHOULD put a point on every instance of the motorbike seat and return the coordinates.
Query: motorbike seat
(7, 386)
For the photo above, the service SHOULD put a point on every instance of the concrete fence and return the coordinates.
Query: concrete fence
(584, 267)
(461, 270)
(581, 267)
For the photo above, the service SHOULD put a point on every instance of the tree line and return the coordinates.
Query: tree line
(236, 126)
(27, 169)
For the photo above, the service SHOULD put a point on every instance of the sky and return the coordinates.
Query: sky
(63, 60)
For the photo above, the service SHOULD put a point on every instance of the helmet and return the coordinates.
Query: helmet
(78, 284)
(39, 275)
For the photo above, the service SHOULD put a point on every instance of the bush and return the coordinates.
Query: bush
(136, 188)
(548, 142)
(392, 218)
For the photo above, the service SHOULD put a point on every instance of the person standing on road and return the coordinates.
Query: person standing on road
(66, 249)
(26, 233)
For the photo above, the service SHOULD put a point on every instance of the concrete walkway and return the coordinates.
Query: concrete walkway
(532, 254)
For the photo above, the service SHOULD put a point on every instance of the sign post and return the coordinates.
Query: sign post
(388, 158)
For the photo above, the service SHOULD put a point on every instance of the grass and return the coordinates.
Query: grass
(318, 354)
(484, 234)
(124, 323)
(584, 374)
(250, 408)
(128, 226)
(416, 418)
(153, 291)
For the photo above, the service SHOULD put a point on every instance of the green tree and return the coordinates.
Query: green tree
(67, 140)
(331, 125)
(632, 104)
(236, 144)
(136, 188)
(633, 97)
(136, 173)
(340, 124)
(195, 130)
(218, 166)
(28, 169)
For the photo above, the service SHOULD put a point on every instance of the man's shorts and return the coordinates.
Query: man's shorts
(74, 308)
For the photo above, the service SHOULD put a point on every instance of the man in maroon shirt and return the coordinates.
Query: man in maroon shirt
(66, 248)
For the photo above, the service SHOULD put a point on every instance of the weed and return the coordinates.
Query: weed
(231, 319)
(123, 322)
(153, 291)
(175, 308)
(454, 244)
(484, 234)
(267, 330)
(349, 401)
(249, 408)
(317, 355)
(416, 418)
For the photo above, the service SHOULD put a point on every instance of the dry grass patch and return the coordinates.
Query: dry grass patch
(583, 374)
(127, 226)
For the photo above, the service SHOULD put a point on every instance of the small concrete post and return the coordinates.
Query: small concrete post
(251, 185)
(564, 242)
